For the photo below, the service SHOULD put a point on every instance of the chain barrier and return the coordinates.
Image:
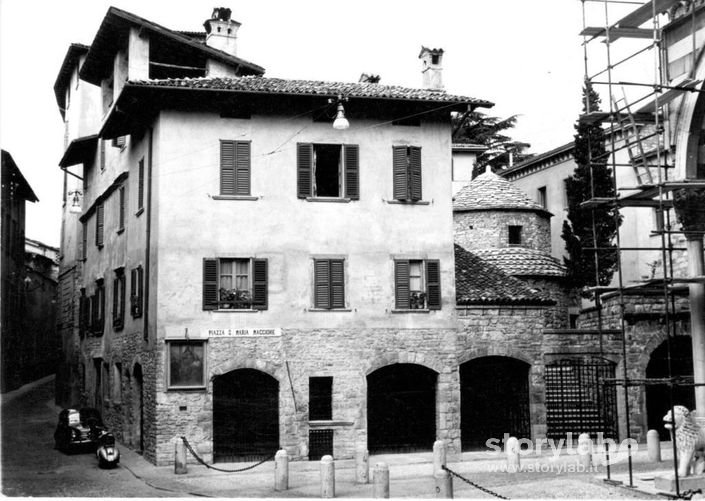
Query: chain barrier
(476, 486)
(690, 493)
(193, 453)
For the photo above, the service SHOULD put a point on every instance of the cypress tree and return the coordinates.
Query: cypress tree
(587, 183)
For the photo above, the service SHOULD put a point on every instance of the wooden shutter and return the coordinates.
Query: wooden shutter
(352, 171)
(116, 292)
(321, 281)
(227, 167)
(259, 284)
(121, 299)
(304, 169)
(337, 283)
(433, 284)
(210, 284)
(100, 304)
(400, 173)
(122, 208)
(242, 168)
(133, 292)
(401, 285)
(140, 287)
(84, 241)
(415, 173)
(99, 223)
(140, 185)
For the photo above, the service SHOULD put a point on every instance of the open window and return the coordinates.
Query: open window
(417, 284)
(328, 171)
(234, 284)
(514, 234)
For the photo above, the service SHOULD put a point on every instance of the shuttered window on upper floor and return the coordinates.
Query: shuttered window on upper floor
(235, 167)
(406, 172)
(235, 284)
(417, 284)
(329, 283)
(99, 224)
(328, 171)
(136, 291)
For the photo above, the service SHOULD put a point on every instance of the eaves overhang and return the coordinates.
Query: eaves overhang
(79, 150)
(63, 79)
(114, 32)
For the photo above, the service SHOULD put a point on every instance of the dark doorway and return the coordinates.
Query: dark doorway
(578, 401)
(658, 401)
(138, 408)
(494, 400)
(401, 409)
(245, 416)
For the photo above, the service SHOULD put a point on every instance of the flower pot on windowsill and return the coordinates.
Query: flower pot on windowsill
(417, 301)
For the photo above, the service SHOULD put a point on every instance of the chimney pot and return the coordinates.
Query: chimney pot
(432, 68)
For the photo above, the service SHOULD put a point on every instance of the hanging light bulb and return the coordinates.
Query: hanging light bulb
(75, 202)
(340, 122)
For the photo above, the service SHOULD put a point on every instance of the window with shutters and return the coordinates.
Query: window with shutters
(417, 284)
(235, 163)
(119, 142)
(329, 284)
(328, 171)
(121, 213)
(99, 224)
(136, 291)
(407, 173)
(119, 299)
(98, 308)
(102, 155)
(140, 186)
(84, 241)
(235, 284)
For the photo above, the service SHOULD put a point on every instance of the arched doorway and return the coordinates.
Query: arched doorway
(494, 400)
(658, 400)
(401, 408)
(138, 408)
(245, 415)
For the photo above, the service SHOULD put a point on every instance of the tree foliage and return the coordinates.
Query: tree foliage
(477, 128)
(587, 183)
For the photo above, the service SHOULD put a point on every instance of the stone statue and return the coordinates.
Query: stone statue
(690, 440)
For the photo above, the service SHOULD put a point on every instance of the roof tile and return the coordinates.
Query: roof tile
(519, 261)
(489, 191)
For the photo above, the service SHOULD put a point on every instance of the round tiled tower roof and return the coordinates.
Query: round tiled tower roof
(488, 191)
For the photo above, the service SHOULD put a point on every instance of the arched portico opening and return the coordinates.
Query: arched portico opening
(401, 408)
(658, 400)
(494, 400)
(245, 415)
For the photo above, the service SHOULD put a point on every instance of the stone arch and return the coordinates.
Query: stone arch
(269, 368)
(496, 350)
(690, 115)
(403, 357)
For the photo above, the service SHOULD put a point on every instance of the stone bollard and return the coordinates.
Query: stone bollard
(380, 481)
(444, 484)
(585, 451)
(439, 456)
(327, 477)
(511, 447)
(362, 465)
(281, 470)
(653, 444)
(180, 457)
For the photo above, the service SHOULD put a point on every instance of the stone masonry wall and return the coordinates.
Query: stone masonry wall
(488, 229)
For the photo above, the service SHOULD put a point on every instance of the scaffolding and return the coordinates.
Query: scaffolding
(638, 125)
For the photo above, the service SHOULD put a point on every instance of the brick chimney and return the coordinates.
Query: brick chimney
(222, 31)
(431, 70)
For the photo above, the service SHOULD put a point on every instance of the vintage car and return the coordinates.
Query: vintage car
(78, 429)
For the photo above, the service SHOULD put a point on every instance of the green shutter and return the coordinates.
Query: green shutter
(400, 173)
(242, 168)
(401, 285)
(259, 285)
(321, 281)
(304, 169)
(433, 284)
(227, 167)
(352, 171)
(415, 172)
(337, 283)
(210, 284)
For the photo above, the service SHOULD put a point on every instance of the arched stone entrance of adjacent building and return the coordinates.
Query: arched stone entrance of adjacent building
(245, 415)
(658, 400)
(494, 400)
(401, 408)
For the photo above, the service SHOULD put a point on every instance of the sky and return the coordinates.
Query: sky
(525, 56)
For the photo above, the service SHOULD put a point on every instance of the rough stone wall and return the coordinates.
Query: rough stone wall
(488, 229)
(347, 355)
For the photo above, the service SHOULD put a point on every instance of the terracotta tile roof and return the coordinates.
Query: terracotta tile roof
(267, 85)
(489, 191)
(519, 261)
(480, 282)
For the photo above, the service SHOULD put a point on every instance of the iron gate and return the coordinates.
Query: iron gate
(577, 401)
